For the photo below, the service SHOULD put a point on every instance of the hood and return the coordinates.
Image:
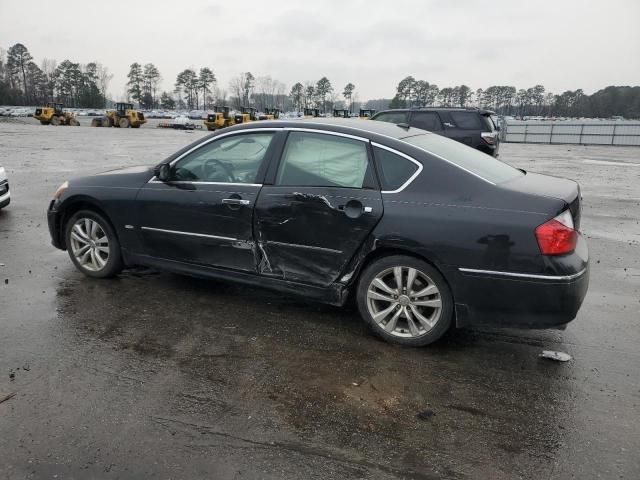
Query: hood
(130, 177)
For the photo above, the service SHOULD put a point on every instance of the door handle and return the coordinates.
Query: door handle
(235, 201)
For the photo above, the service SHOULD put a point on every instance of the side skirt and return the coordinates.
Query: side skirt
(335, 294)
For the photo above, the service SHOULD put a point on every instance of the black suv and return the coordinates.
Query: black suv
(470, 126)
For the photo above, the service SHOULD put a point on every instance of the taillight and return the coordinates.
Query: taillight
(489, 137)
(557, 236)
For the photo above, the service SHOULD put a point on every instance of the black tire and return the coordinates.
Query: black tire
(124, 123)
(425, 276)
(113, 264)
(106, 121)
(55, 120)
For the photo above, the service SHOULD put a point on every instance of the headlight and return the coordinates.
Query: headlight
(60, 190)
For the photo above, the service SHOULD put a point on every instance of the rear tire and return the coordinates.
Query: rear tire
(405, 300)
(93, 245)
(123, 123)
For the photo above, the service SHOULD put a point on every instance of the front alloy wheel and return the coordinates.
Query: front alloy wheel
(405, 300)
(92, 245)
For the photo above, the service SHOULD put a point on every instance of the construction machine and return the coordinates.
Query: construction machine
(219, 119)
(53, 114)
(248, 114)
(341, 113)
(311, 112)
(270, 114)
(366, 113)
(123, 116)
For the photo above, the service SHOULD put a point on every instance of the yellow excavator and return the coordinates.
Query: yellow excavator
(270, 114)
(248, 114)
(123, 116)
(219, 119)
(53, 114)
(366, 113)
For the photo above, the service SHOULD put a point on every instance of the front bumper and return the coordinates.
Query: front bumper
(519, 300)
(54, 221)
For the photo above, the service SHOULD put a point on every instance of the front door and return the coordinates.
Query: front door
(323, 204)
(204, 214)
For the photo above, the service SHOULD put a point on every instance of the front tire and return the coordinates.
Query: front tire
(124, 122)
(405, 300)
(93, 245)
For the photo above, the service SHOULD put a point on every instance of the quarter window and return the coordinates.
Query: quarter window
(393, 169)
(235, 159)
(320, 160)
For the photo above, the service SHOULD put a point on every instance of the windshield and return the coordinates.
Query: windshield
(467, 158)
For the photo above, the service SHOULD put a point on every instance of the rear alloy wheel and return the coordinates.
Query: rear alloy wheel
(124, 123)
(405, 300)
(92, 245)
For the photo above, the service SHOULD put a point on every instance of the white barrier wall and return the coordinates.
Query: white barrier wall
(572, 132)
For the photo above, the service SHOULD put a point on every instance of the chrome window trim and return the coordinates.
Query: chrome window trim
(326, 132)
(208, 183)
(191, 234)
(525, 275)
(404, 155)
(209, 140)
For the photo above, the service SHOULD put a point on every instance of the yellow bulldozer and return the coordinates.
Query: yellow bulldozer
(270, 114)
(249, 114)
(123, 116)
(53, 114)
(219, 119)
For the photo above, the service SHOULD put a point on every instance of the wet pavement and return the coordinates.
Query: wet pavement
(156, 375)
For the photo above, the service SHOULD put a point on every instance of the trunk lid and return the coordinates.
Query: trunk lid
(548, 186)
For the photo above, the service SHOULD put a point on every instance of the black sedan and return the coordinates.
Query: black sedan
(424, 232)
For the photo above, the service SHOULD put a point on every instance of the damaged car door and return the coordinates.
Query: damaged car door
(322, 205)
(202, 213)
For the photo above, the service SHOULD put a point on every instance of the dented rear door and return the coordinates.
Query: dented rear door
(322, 206)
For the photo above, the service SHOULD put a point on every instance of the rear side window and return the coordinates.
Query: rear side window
(392, 117)
(426, 121)
(393, 169)
(465, 157)
(319, 160)
(467, 120)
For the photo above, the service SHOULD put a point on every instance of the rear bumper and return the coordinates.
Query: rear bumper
(519, 300)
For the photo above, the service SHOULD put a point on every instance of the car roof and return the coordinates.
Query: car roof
(481, 111)
(351, 126)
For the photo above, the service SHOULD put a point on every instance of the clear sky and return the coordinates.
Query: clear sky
(562, 44)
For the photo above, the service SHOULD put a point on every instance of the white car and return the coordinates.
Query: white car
(5, 196)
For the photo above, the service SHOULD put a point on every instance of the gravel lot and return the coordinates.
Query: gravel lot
(157, 375)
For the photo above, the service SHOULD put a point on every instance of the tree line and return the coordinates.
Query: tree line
(507, 100)
(24, 82)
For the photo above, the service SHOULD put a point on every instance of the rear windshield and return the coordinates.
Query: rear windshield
(470, 159)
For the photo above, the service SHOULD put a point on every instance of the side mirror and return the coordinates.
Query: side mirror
(163, 172)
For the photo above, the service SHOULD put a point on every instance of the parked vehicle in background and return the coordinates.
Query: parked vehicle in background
(471, 126)
(5, 195)
(424, 231)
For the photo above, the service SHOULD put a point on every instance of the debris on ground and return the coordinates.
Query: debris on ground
(557, 356)
(7, 397)
(425, 414)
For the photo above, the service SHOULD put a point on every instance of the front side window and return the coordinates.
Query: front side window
(321, 160)
(394, 170)
(235, 159)
(426, 121)
(392, 117)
